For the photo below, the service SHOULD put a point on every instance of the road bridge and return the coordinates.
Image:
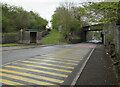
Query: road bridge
(92, 28)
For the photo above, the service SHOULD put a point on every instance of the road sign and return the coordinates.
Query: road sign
(60, 28)
(21, 30)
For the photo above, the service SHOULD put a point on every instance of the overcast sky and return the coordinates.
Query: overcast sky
(45, 8)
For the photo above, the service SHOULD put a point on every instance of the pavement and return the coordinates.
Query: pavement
(99, 70)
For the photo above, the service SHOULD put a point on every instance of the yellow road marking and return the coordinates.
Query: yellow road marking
(47, 68)
(10, 82)
(26, 79)
(66, 51)
(56, 61)
(49, 64)
(35, 70)
(62, 57)
(56, 58)
(32, 75)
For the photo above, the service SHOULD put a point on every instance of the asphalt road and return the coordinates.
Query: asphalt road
(51, 65)
(21, 54)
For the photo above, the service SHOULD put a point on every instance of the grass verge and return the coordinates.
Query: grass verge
(12, 44)
(53, 38)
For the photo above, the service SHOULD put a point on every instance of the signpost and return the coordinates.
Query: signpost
(21, 34)
(60, 28)
(21, 30)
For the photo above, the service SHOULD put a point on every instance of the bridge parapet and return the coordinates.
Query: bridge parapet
(96, 27)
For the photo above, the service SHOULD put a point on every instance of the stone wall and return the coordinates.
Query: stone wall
(118, 40)
(16, 38)
(25, 37)
(112, 38)
(10, 38)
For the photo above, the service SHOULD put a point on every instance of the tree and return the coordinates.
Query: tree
(103, 12)
(64, 17)
(15, 18)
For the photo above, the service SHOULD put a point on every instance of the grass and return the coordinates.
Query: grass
(53, 38)
(12, 44)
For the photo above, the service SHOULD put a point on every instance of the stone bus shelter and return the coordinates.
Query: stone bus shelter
(30, 35)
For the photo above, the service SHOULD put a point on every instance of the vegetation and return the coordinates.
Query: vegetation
(16, 18)
(107, 13)
(53, 38)
(102, 12)
(12, 44)
(72, 18)
(68, 17)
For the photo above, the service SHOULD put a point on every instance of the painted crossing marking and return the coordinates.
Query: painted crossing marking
(84, 46)
(33, 75)
(50, 69)
(56, 61)
(35, 70)
(67, 67)
(55, 58)
(26, 79)
(38, 66)
(65, 51)
(4, 81)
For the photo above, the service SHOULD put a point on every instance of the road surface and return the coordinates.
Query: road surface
(51, 65)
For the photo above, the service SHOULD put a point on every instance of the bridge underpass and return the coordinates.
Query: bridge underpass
(93, 32)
